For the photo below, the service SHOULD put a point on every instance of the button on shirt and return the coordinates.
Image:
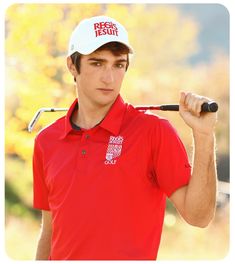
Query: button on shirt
(106, 187)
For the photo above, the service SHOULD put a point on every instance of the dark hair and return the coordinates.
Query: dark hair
(116, 48)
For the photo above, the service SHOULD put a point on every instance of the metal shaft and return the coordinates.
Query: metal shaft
(206, 107)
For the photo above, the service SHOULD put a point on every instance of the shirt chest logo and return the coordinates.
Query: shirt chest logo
(114, 150)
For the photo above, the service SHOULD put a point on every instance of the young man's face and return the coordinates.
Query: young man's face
(100, 78)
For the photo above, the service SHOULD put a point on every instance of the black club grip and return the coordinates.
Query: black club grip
(206, 107)
(169, 107)
(210, 107)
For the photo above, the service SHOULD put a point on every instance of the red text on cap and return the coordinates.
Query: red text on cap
(105, 28)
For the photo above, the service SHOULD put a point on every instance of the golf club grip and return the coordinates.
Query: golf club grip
(206, 107)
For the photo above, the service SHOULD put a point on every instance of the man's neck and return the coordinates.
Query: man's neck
(88, 117)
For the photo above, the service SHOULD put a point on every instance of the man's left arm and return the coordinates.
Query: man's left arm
(196, 202)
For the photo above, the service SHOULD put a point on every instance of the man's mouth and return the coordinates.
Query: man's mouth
(105, 89)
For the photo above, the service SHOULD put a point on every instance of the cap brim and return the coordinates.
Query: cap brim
(86, 50)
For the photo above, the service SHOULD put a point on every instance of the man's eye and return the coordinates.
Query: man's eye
(97, 64)
(120, 65)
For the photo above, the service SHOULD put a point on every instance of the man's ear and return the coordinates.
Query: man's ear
(71, 67)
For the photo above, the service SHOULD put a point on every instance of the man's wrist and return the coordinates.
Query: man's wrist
(203, 135)
(204, 140)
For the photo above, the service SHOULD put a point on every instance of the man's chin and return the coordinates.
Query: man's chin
(105, 101)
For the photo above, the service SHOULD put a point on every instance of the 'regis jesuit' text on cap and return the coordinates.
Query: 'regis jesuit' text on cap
(92, 33)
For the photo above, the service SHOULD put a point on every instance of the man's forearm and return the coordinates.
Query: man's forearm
(200, 199)
(43, 247)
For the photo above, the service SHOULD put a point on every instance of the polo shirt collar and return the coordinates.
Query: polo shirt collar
(67, 124)
(112, 121)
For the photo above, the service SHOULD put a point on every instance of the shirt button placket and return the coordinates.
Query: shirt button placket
(84, 142)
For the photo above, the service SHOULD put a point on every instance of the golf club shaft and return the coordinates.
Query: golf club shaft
(206, 107)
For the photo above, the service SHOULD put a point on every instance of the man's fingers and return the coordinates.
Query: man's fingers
(192, 103)
(182, 98)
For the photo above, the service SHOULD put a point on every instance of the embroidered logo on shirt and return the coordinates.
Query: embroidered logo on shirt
(114, 149)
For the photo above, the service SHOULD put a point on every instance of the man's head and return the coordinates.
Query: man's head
(98, 57)
(96, 34)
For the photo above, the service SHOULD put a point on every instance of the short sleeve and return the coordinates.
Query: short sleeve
(40, 190)
(171, 165)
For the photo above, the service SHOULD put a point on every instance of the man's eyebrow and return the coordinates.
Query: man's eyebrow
(104, 60)
(121, 60)
(97, 59)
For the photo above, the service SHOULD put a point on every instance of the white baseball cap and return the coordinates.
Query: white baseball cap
(92, 33)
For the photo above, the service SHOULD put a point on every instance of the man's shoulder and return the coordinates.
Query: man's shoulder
(53, 130)
(145, 118)
(148, 123)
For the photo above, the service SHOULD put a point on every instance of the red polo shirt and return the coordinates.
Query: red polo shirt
(106, 187)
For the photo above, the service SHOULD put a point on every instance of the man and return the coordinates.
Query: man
(102, 173)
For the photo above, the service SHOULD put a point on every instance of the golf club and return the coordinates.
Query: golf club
(206, 107)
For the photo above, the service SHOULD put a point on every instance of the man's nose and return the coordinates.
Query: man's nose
(107, 76)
